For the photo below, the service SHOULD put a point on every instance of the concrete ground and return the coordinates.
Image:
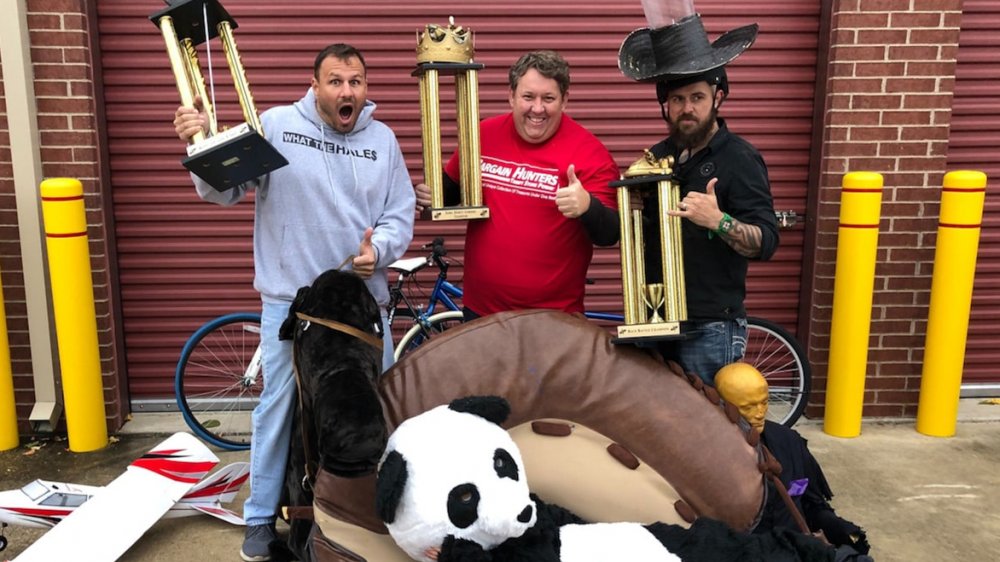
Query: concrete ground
(920, 498)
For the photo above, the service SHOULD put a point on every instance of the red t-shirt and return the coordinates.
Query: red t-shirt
(527, 254)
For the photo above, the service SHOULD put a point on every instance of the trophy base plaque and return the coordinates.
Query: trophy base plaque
(460, 213)
(233, 157)
(649, 332)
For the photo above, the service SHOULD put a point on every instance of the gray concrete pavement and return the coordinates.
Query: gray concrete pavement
(920, 498)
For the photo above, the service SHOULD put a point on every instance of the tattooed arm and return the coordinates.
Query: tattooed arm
(744, 238)
(703, 210)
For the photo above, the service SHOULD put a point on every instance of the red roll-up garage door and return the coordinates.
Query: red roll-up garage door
(975, 136)
(183, 261)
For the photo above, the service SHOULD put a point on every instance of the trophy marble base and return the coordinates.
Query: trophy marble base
(459, 213)
(631, 333)
(233, 157)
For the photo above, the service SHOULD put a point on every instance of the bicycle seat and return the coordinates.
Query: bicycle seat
(408, 265)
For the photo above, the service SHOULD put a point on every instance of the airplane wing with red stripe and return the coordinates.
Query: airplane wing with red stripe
(111, 521)
(219, 513)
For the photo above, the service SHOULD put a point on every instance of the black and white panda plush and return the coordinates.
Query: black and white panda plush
(451, 487)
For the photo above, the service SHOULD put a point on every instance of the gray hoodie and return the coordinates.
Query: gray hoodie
(311, 215)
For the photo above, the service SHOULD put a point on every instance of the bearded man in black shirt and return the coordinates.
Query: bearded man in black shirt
(725, 193)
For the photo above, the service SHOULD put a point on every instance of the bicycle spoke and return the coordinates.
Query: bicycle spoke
(776, 355)
(215, 391)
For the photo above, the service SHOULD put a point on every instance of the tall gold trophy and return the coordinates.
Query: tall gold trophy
(449, 51)
(653, 311)
(236, 155)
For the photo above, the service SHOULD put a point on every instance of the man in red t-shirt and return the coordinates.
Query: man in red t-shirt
(545, 180)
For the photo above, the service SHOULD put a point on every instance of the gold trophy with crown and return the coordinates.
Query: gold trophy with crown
(228, 158)
(449, 51)
(653, 310)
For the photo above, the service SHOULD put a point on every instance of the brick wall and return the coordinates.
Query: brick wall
(888, 109)
(64, 89)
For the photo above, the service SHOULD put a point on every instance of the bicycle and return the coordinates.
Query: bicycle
(779, 357)
(770, 348)
(217, 381)
(427, 322)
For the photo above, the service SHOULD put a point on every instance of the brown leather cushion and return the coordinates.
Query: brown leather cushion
(553, 365)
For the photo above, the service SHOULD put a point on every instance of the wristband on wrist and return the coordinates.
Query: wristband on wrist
(726, 224)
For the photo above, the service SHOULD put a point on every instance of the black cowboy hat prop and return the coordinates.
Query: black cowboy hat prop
(679, 50)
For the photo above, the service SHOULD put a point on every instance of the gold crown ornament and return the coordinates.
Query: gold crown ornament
(445, 44)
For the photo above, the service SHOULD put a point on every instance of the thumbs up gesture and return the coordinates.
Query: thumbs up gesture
(572, 200)
(364, 263)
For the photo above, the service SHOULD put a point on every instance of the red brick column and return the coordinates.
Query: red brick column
(888, 110)
(63, 67)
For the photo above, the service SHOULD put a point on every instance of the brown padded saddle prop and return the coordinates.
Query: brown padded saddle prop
(553, 365)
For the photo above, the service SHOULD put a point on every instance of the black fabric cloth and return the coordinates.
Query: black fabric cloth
(602, 223)
(709, 540)
(715, 275)
(797, 463)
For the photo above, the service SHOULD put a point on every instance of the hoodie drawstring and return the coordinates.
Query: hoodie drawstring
(326, 164)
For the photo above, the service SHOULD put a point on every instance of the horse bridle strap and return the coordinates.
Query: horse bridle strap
(343, 328)
(310, 456)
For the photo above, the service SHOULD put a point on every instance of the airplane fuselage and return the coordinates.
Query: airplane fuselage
(42, 504)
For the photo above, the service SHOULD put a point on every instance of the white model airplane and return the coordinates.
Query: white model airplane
(166, 482)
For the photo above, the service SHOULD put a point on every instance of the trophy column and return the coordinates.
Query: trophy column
(448, 51)
(653, 311)
(234, 156)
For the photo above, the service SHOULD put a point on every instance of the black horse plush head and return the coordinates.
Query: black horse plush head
(336, 328)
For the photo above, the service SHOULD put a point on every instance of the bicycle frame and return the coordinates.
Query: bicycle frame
(253, 369)
(608, 316)
(444, 291)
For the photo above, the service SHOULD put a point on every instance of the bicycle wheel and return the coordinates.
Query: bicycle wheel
(425, 330)
(218, 380)
(778, 356)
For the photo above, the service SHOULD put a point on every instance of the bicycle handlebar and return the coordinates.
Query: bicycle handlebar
(438, 251)
(437, 247)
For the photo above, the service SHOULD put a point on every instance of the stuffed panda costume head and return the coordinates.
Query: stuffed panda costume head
(426, 491)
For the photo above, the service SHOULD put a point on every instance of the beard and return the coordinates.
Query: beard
(694, 137)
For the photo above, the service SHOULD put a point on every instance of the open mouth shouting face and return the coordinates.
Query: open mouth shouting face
(341, 90)
(538, 106)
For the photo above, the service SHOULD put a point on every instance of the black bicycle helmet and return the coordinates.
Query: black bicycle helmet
(714, 77)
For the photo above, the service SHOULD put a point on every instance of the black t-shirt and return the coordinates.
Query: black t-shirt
(715, 275)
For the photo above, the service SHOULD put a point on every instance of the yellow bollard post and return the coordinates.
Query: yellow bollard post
(853, 286)
(962, 200)
(8, 406)
(75, 318)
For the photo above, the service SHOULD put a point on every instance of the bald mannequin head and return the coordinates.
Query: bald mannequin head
(744, 387)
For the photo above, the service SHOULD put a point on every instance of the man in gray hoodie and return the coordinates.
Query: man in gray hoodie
(346, 192)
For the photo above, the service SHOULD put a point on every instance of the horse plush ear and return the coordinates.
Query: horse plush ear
(490, 408)
(287, 329)
(389, 486)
